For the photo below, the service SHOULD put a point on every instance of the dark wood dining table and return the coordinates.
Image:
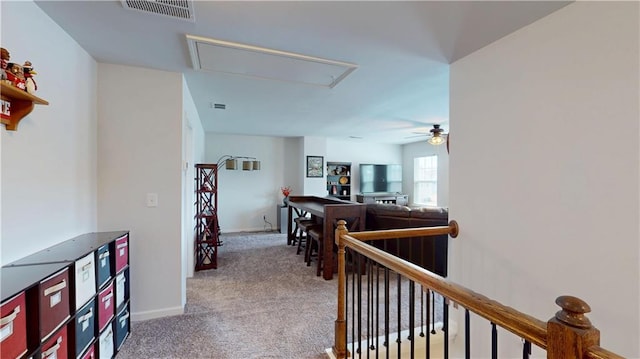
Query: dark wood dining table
(327, 211)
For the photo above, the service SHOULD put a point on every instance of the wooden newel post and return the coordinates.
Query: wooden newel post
(340, 340)
(570, 332)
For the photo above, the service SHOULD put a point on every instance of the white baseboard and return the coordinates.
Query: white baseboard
(158, 313)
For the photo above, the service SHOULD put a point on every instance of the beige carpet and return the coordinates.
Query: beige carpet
(261, 302)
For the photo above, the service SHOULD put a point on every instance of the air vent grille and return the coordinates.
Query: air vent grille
(168, 8)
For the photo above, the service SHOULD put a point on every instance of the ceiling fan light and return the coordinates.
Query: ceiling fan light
(436, 140)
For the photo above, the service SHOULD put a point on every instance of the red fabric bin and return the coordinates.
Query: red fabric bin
(90, 353)
(54, 302)
(13, 327)
(122, 252)
(56, 346)
(106, 306)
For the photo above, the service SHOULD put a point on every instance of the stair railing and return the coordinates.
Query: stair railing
(567, 335)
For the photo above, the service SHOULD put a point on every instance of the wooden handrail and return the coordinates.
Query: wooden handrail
(568, 334)
(451, 229)
(595, 352)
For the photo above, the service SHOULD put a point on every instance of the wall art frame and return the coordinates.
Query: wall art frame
(315, 166)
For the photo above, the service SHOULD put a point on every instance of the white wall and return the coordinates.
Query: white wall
(314, 146)
(550, 205)
(192, 152)
(422, 149)
(358, 152)
(244, 197)
(293, 147)
(49, 171)
(139, 152)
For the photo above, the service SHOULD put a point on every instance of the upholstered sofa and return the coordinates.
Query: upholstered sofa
(427, 252)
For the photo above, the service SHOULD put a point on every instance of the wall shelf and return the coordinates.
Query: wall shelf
(21, 104)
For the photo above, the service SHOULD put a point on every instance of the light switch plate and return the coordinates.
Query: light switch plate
(152, 200)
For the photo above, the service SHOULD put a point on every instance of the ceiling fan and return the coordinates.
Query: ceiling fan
(437, 135)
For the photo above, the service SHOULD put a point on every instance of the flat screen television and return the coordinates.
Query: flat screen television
(380, 178)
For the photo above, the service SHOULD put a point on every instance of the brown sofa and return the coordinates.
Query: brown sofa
(427, 252)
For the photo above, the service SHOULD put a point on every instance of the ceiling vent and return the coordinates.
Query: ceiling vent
(169, 8)
(259, 62)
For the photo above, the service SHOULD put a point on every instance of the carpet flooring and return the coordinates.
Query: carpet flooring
(261, 302)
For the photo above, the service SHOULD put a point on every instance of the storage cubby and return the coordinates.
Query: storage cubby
(59, 302)
(339, 179)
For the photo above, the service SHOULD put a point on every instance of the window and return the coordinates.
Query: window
(425, 180)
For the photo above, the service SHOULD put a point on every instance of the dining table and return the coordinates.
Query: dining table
(326, 211)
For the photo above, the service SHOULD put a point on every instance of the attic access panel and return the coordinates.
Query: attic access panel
(253, 61)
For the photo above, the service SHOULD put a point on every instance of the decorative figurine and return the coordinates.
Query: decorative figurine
(16, 75)
(5, 57)
(30, 82)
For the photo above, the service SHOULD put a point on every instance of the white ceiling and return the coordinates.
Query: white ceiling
(402, 50)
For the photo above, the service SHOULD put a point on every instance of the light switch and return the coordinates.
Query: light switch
(152, 200)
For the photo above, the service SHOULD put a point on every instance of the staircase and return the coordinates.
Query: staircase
(363, 292)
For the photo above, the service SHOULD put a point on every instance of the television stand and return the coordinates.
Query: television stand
(383, 197)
